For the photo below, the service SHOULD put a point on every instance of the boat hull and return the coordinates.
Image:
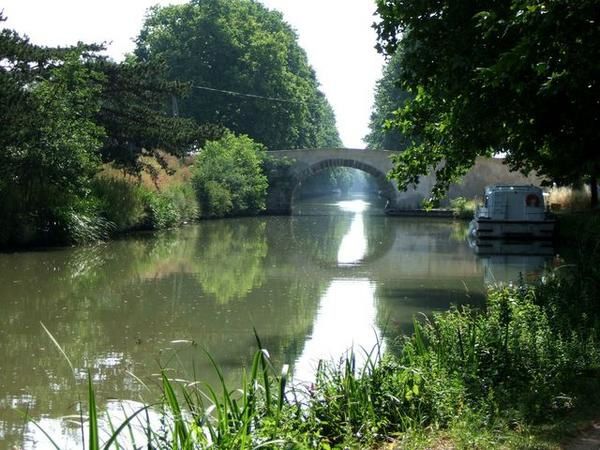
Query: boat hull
(511, 229)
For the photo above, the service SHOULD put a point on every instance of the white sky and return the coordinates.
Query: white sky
(336, 35)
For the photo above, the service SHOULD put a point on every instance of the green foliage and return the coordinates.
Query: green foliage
(135, 112)
(170, 208)
(215, 199)
(160, 211)
(389, 96)
(48, 148)
(240, 46)
(463, 208)
(63, 111)
(129, 205)
(519, 77)
(510, 358)
(120, 201)
(198, 416)
(79, 223)
(228, 177)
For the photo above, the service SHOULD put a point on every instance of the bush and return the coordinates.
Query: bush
(47, 215)
(129, 205)
(228, 177)
(215, 199)
(511, 358)
(174, 206)
(79, 223)
(121, 201)
(184, 201)
(463, 208)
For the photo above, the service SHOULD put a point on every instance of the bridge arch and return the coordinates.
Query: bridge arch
(385, 186)
(302, 164)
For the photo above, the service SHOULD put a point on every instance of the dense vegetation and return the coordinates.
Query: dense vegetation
(81, 132)
(247, 71)
(519, 77)
(228, 177)
(64, 113)
(389, 96)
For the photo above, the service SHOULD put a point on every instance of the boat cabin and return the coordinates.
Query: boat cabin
(513, 203)
(512, 211)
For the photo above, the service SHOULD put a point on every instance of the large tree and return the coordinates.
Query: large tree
(519, 76)
(247, 70)
(389, 96)
(136, 113)
(62, 112)
(48, 137)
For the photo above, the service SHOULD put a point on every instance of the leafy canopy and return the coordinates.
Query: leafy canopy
(389, 96)
(64, 111)
(48, 138)
(135, 111)
(228, 177)
(240, 46)
(519, 76)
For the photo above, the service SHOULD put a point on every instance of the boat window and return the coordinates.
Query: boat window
(532, 200)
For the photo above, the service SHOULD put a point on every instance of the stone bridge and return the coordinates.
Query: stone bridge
(305, 163)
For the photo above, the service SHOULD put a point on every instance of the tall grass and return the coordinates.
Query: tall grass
(121, 200)
(195, 414)
(568, 198)
(129, 204)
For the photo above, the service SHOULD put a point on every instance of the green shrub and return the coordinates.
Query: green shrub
(510, 357)
(129, 205)
(463, 208)
(228, 177)
(79, 224)
(183, 199)
(215, 199)
(160, 211)
(172, 207)
(49, 216)
(121, 201)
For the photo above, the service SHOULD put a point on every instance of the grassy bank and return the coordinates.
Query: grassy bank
(226, 178)
(162, 197)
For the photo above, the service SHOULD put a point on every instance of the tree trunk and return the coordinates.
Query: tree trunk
(594, 191)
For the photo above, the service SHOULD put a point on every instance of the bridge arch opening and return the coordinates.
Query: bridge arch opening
(385, 188)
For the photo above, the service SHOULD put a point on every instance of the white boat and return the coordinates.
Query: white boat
(512, 212)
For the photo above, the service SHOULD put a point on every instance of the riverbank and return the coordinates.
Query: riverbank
(226, 179)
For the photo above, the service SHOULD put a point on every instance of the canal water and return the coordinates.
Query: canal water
(336, 275)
